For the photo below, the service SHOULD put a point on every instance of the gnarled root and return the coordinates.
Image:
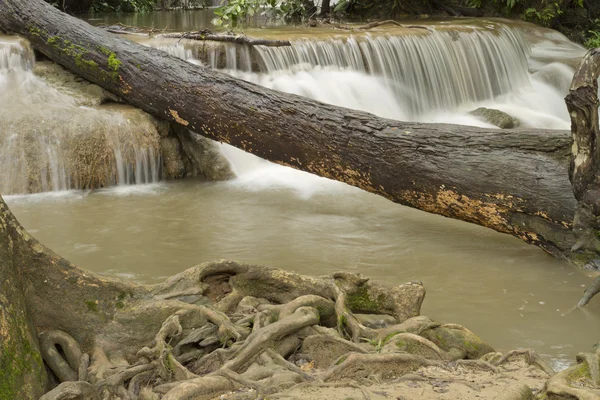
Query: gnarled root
(52, 344)
(72, 391)
(580, 382)
(226, 326)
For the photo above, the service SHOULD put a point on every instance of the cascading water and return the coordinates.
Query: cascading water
(434, 75)
(438, 70)
(55, 135)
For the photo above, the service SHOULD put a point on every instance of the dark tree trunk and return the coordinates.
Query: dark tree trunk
(512, 181)
(325, 7)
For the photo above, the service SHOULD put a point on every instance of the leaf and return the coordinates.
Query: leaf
(339, 6)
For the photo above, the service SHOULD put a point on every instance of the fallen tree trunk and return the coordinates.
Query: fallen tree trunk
(237, 39)
(511, 181)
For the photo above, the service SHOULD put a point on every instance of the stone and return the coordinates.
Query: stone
(496, 117)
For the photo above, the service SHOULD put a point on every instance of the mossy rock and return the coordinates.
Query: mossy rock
(496, 117)
(451, 336)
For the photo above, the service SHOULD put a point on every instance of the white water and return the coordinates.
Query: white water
(432, 76)
(438, 76)
(45, 133)
(434, 71)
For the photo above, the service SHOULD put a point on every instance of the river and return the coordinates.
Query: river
(511, 294)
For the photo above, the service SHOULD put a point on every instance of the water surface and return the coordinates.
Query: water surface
(511, 294)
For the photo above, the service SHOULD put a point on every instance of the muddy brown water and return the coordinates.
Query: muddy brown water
(511, 294)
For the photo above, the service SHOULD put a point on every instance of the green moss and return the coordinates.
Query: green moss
(580, 372)
(104, 50)
(342, 321)
(91, 305)
(407, 346)
(360, 301)
(19, 359)
(120, 305)
(441, 340)
(113, 62)
(36, 31)
(471, 346)
(81, 57)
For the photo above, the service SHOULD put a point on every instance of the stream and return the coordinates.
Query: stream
(509, 293)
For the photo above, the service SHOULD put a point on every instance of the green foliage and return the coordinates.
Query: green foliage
(345, 5)
(475, 3)
(545, 16)
(510, 4)
(236, 12)
(593, 40)
(102, 6)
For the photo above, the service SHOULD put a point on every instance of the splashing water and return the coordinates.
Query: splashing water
(432, 76)
(55, 135)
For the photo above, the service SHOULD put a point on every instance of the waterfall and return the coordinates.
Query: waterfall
(433, 75)
(427, 70)
(437, 70)
(15, 55)
(55, 135)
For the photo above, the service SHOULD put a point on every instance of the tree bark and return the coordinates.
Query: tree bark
(511, 181)
(584, 170)
(237, 39)
(22, 374)
(325, 7)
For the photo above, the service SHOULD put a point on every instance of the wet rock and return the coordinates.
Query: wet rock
(496, 117)
(172, 153)
(81, 91)
(204, 155)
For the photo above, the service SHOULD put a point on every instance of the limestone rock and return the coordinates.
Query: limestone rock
(496, 117)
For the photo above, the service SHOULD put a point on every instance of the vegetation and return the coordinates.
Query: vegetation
(122, 5)
(234, 12)
(104, 6)
(578, 19)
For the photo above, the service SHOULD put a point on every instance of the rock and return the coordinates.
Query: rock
(83, 92)
(496, 117)
(204, 155)
(61, 134)
(174, 165)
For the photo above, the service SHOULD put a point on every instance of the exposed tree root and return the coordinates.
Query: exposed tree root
(225, 326)
(590, 292)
